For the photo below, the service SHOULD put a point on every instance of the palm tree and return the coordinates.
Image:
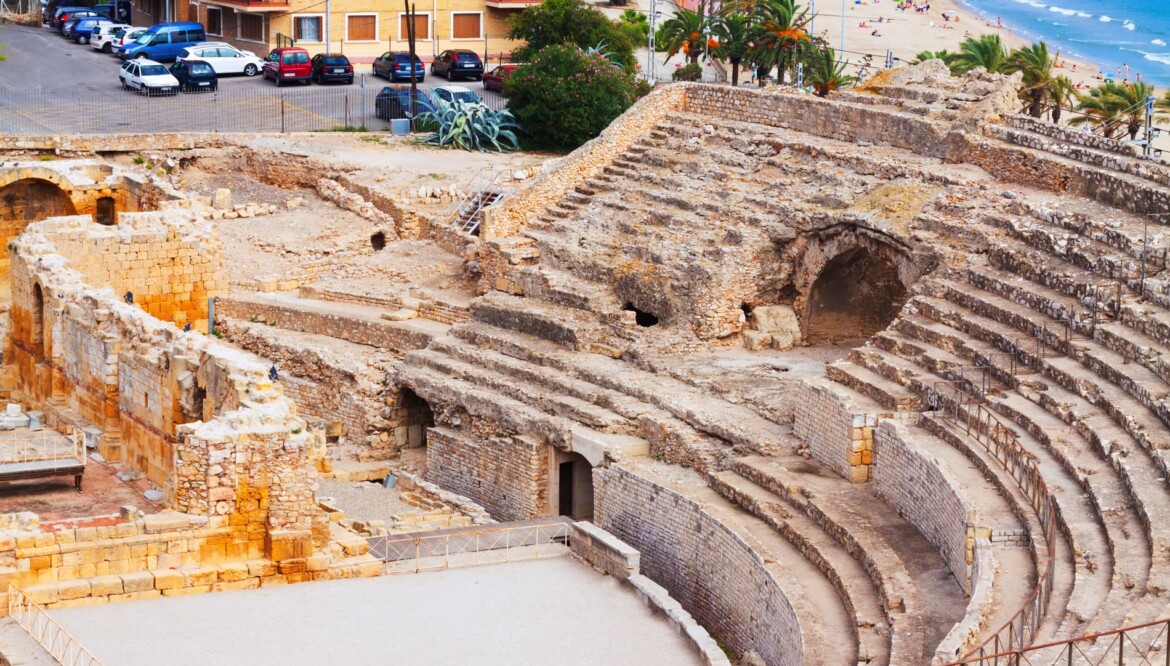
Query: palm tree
(685, 32)
(1036, 66)
(987, 52)
(735, 33)
(923, 56)
(782, 34)
(1112, 106)
(826, 73)
(1061, 94)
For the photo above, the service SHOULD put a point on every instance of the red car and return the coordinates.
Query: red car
(288, 64)
(494, 80)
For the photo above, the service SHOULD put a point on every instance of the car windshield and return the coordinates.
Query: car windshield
(336, 60)
(154, 70)
(200, 68)
(144, 38)
(466, 96)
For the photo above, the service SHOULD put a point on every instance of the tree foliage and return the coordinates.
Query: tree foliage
(782, 36)
(564, 96)
(986, 51)
(636, 26)
(826, 73)
(554, 22)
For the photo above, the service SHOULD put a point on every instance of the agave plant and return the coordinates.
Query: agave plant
(601, 50)
(471, 126)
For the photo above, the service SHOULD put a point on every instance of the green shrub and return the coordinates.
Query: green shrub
(470, 126)
(565, 97)
(554, 22)
(644, 88)
(690, 72)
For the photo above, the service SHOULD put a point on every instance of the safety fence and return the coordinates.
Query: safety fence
(979, 423)
(46, 632)
(39, 445)
(1140, 645)
(253, 109)
(412, 553)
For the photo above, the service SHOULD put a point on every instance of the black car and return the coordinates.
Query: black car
(65, 19)
(458, 63)
(395, 65)
(331, 67)
(393, 102)
(195, 76)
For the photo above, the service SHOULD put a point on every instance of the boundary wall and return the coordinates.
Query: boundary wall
(710, 570)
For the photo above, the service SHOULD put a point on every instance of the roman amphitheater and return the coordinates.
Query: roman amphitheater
(876, 379)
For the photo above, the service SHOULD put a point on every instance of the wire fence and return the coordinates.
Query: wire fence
(46, 632)
(308, 109)
(412, 553)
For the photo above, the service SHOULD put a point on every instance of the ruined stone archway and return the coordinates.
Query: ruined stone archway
(856, 294)
(23, 202)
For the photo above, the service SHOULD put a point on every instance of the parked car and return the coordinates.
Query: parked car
(395, 65)
(394, 102)
(148, 77)
(61, 14)
(195, 76)
(127, 36)
(83, 29)
(494, 80)
(163, 41)
(330, 67)
(453, 94)
(103, 36)
(70, 19)
(458, 63)
(224, 58)
(288, 64)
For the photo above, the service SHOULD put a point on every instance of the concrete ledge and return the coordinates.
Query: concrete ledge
(604, 550)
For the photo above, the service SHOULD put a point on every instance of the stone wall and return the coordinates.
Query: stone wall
(837, 433)
(513, 214)
(1067, 135)
(170, 265)
(923, 492)
(380, 334)
(714, 574)
(508, 476)
(83, 355)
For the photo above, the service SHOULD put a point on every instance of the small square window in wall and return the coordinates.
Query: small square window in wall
(307, 28)
(251, 27)
(361, 28)
(422, 25)
(214, 21)
(467, 26)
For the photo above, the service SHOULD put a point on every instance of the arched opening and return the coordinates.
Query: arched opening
(641, 317)
(857, 294)
(411, 416)
(21, 203)
(378, 241)
(106, 212)
(38, 323)
(572, 483)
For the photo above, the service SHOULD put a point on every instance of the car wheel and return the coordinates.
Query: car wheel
(106, 48)
(277, 81)
(140, 56)
(250, 70)
(83, 39)
(124, 86)
(450, 75)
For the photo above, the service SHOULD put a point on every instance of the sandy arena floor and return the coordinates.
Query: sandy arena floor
(555, 611)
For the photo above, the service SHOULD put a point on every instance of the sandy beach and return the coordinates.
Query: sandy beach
(908, 32)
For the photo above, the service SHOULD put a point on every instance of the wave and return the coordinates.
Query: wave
(1129, 25)
(1062, 10)
(1032, 3)
(1106, 19)
(1163, 58)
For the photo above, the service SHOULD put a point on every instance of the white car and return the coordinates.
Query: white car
(103, 35)
(132, 33)
(147, 77)
(224, 58)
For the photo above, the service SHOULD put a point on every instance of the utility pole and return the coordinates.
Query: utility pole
(652, 58)
(410, 29)
(328, 33)
(1148, 148)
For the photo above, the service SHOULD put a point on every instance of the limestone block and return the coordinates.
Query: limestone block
(137, 581)
(42, 594)
(104, 586)
(780, 322)
(168, 580)
(222, 199)
(230, 573)
(136, 596)
(165, 522)
(756, 340)
(184, 591)
(72, 589)
(288, 544)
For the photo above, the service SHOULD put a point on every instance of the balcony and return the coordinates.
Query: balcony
(512, 4)
(251, 6)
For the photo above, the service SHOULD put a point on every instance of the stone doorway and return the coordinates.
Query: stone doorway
(22, 203)
(856, 294)
(573, 480)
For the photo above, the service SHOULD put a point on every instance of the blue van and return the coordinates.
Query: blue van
(163, 41)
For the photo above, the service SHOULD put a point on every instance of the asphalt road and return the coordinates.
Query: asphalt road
(48, 84)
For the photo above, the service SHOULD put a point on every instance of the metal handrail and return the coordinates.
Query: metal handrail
(1001, 442)
(478, 190)
(1069, 649)
(76, 447)
(46, 631)
(412, 553)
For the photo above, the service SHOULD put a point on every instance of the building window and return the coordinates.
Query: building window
(422, 28)
(466, 25)
(361, 27)
(214, 21)
(308, 28)
(251, 27)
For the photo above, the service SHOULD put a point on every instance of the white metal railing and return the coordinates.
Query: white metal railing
(479, 193)
(412, 553)
(40, 445)
(45, 631)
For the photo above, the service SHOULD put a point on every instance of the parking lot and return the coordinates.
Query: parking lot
(52, 85)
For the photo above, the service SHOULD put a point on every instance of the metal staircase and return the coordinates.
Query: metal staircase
(465, 214)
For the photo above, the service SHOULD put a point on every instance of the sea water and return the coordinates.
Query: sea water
(1109, 34)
